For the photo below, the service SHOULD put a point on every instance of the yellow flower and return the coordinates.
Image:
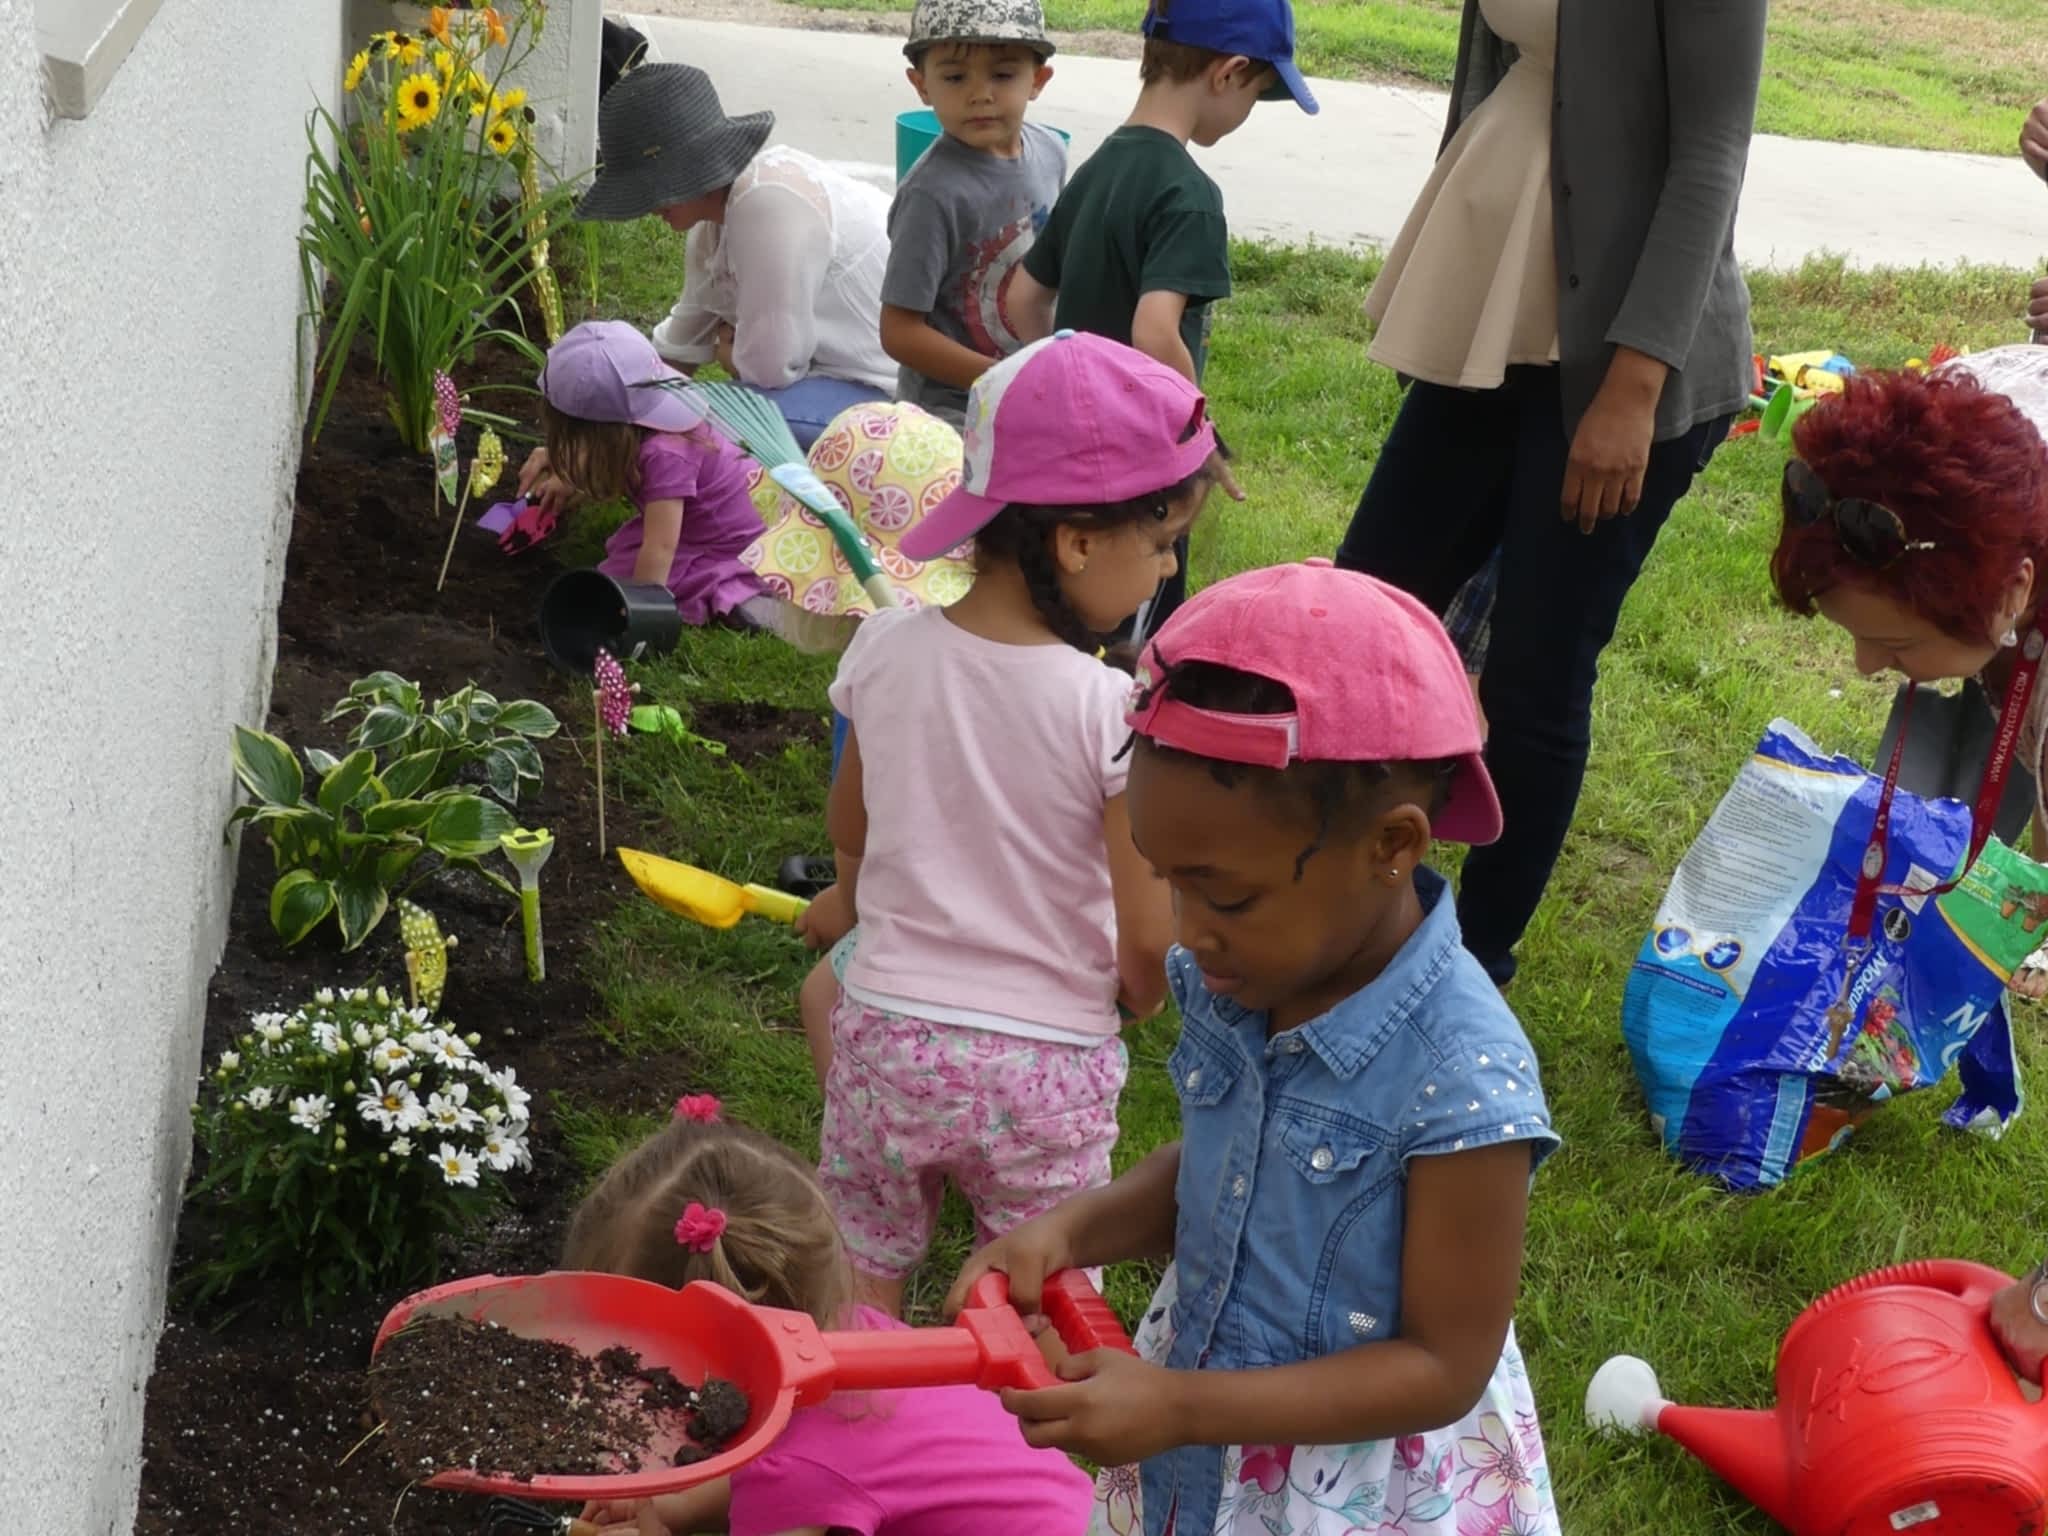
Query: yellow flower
(437, 22)
(503, 136)
(410, 51)
(508, 104)
(494, 25)
(356, 67)
(382, 43)
(444, 66)
(419, 99)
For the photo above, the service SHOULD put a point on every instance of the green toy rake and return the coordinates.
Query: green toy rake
(757, 426)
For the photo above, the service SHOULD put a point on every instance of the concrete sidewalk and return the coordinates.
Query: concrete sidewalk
(1347, 176)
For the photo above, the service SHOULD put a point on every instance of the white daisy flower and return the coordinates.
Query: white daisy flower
(450, 1111)
(324, 996)
(391, 1106)
(360, 995)
(328, 1037)
(515, 1097)
(229, 1060)
(257, 1097)
(421, 1016)
(383, 998)
(390, 1057)
(503, 1150)
(401, 1146)
(311, 1112)
(450, 1050)
(270, 1030)
(421, 1040)
(457, 1167)
(361, 1036)
(493, 1113)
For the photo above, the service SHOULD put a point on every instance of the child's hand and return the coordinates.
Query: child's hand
(2034, 139)
(827, 920)
(1114, 1409)
(539, 484)
(621, 1517)
(1027, 1254)
(2018, 1331)
(1225, 480)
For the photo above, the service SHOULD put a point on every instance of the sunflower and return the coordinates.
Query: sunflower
(494, 25)
(503, 136)
(419, 99)
(437, 23)
(508, 104)
(356, 68)
(410, 50)
(444, 66)
(382, 43)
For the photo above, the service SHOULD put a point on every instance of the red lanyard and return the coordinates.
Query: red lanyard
(1997, 769)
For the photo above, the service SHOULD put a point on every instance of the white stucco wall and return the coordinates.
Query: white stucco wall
(149, 426)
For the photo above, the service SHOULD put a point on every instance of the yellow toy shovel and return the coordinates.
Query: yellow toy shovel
(706, 898)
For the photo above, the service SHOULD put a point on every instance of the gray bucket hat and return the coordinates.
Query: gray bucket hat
(665, 139)
(978, 21)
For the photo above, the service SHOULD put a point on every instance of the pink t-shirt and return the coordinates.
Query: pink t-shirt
(941, 1461)
(986, 768)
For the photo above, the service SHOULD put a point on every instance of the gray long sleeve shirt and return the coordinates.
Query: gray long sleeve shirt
(1655, 101)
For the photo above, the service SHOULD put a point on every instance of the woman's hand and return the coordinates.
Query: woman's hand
(2023, 1336)
(721, 349)
(1611, 450)
(1027, 1254)
(1112, 1408)
(827, 920)
(2034, 139)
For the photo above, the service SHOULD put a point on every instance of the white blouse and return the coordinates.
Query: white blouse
(796, 271)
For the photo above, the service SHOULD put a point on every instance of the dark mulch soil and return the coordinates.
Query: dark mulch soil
(251, 1413)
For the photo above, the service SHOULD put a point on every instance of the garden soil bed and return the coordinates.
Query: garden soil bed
(252, 1412)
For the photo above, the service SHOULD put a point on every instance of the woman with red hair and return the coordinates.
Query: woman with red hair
(1916, 518)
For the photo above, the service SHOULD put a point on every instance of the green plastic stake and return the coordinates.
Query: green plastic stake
(528, 850)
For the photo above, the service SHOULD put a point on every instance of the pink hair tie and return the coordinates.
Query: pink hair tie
(701, 1107)
(700, 1227)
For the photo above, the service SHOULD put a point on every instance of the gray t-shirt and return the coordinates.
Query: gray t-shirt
(961, 222)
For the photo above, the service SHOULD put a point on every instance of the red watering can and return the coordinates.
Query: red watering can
(781, 1360)
(1896, 1412)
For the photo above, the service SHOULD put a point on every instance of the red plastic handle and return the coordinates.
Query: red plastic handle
(1071, 1304)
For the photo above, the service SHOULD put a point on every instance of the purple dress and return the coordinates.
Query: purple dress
(707, 475)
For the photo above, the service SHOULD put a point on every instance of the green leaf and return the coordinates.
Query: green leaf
(384, 725)
(468, 825)
(298, 902)
(387, 688)
(267, 768)
(411, 776)
(341, 787)
(360, 901)
(483, 709)
(528, 718)
(502, 773)
(524, 754)
(391, 867)
(395, 816)
(322, 763)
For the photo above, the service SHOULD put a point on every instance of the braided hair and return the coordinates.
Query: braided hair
(1343, 798)
(1022, 534)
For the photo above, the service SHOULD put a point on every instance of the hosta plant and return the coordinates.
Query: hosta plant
(363, 834)
(343, 1140)
(469, 727)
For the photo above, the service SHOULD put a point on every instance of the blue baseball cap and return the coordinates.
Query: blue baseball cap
(1257, 29)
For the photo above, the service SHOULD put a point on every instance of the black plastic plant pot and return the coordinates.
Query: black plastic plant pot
(587, 611)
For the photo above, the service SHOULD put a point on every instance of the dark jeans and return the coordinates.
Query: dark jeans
(1465, 472)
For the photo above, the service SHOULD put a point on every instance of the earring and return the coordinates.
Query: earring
(1393, 877)
(2010, 638)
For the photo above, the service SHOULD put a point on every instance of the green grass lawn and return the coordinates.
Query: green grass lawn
(1927, 74)
(1626, 1252)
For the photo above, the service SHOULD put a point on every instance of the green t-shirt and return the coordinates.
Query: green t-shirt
(1139, 217)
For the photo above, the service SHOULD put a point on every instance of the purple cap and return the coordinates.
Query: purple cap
(606, 370)
(1071, 421)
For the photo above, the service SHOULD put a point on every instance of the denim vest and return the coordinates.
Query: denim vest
(1294, 1157)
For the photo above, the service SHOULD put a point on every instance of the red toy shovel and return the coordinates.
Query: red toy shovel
(781, 1360)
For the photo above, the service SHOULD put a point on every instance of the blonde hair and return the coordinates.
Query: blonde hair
(599, 459)
(780, 1246)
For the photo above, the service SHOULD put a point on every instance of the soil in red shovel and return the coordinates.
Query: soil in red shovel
(456, 1393)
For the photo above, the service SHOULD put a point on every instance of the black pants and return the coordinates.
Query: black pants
(1465, 472)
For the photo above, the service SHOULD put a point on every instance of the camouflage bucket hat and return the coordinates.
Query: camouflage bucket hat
(978, 21)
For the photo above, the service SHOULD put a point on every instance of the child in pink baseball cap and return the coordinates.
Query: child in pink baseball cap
(1332, 1346)
(978, 816)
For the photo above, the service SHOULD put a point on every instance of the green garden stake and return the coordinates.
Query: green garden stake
(528, 851)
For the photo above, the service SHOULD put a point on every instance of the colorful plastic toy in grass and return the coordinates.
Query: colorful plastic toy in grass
(705, 898)
(613, 696)
(1896, 1412)
(667, 720)
(426, 955)
(528, 851)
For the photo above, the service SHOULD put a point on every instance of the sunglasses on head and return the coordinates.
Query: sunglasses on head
(1871, 532)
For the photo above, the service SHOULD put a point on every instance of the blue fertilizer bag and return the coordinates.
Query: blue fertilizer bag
(1726, 1009)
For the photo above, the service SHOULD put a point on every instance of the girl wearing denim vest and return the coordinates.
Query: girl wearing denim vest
(1332, 1350)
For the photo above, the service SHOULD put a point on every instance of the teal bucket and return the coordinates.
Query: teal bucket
(917, 131)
